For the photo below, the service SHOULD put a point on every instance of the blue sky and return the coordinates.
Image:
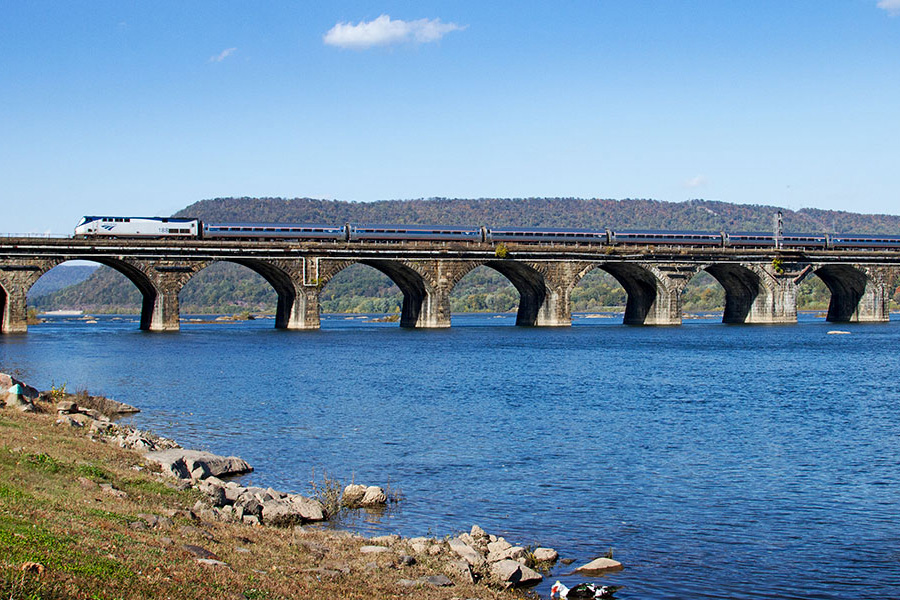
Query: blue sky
(142, 108)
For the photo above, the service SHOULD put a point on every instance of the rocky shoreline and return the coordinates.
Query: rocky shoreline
(475, 557)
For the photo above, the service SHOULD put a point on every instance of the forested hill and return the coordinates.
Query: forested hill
(542, 212)
(226, 287)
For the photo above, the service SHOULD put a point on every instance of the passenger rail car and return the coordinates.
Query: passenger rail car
(665, 238)
(566, 236)
(137, 227)
(850, 240)
(293, 231)
(434, 233)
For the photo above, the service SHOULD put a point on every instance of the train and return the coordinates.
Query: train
(175, 228)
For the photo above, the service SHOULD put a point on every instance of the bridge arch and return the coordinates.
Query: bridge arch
(543, 296)
(423, 306)
(742, 287)
(653, 297)
(856, 295)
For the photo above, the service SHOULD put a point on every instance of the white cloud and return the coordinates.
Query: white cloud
(222, 55)
(385, 31)
(695, 182)
(891, 6)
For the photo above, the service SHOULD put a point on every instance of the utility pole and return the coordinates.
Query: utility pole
(779, 230)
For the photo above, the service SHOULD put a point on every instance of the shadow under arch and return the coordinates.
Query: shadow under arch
(529, 283)
(640, 288)
(281, 282)
(149, 293)
(410, 282)
(742, 288)
(847, 285)
(4, 298)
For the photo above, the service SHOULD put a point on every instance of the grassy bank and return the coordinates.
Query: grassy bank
(85, 519)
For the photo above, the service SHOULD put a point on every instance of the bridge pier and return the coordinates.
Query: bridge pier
(16, 278)
(758, 294)
(859, 294)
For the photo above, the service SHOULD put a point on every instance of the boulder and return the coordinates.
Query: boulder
(284, 512)
(356, 495)
(514, 573)
(598, 566)
(498, 546)
(309, 508)
(65, 407)
(418, 545)
(181, 463)
(466, 552)
(511, 553)
(374, 496)
(16, 398)
(546, 555)
(460, 569)
(8, 381)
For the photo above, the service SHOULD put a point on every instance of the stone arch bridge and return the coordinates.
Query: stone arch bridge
(760, 285)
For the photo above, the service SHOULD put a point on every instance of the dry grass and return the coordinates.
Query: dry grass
(53, 512)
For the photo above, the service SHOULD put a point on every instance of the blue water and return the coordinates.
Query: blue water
(717, 461)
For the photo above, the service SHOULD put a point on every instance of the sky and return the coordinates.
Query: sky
(142, 108)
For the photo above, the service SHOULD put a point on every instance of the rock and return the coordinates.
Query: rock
(406, 560)
(511, 553)
(68, 421)
(460, 569)
(356, 495)
(375, 549)
(353, 495)
(200, 472)
(200, 551)
(310, 509)
(599, 565)
(8, 381)
(292, 511)
(418, 545)
(498, 546)
(478, 533)
(65, 407)
(375, 496)
(102, 427)
(216, 494)
(138, 526)
(513, 573)
(437, 580)
(211, 562)
(181, 463)
(546, 555)
(435, 549)
(467, 553)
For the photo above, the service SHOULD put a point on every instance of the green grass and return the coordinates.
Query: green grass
(43, 462)
(93, 472)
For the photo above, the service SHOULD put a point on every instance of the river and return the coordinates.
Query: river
(716, 461)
